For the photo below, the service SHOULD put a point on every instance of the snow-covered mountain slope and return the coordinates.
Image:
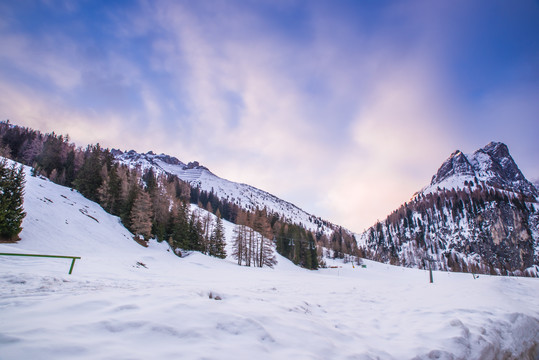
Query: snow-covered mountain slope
(243, 195)
(479, 214)
(63, 221)
(490, 166)
(124, 301)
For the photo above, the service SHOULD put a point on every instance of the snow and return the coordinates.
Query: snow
(482, 165)
(124, 301)
(245, 196)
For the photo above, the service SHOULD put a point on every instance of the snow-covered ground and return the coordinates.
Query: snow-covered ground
(124, 301)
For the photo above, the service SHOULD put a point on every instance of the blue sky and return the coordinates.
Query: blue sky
(345, 108)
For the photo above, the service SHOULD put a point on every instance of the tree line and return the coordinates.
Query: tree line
(157, 205)
(448, 224)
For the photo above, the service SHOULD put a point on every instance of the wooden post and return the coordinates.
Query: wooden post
(429, 260)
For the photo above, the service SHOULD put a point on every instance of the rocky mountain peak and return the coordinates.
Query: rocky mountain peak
(495, 165)
(169, 159)
(456, 164)
(497, 150)
(479, 214)
(492, 165)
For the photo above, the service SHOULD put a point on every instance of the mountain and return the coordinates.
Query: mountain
(491, 166)
(150, 194)
(245, 196)
(478, 214)
(126, 301)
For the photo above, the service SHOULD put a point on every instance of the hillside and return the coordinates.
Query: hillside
(479, 214)
(245, 196)
(124, 301)
(153, 203)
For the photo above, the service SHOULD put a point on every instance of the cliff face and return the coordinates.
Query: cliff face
(503, 239)
(479, 214)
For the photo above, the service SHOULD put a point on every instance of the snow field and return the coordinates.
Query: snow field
(124, 301)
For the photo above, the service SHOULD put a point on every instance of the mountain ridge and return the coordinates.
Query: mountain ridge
(244, 195)
(478, 214)
(491, 166)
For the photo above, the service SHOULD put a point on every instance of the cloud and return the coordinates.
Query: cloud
(345, 111)
(400, 135)
(34, 57)
(245, 107)
(290, 115)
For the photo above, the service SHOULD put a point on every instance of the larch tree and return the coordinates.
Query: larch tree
(264, 246)
(141, 215)
(239, 243)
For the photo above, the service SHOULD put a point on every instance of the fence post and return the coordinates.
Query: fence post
(48, 256)
(73, 264)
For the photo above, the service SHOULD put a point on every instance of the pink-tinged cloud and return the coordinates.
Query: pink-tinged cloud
(343, 109)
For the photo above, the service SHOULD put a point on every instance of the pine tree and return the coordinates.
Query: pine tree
(89, 178)
(110, 190)
(217, 241)
(180, 229)
(11, 200)
(194, 241)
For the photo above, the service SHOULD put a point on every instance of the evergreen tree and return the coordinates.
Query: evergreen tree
(11, 200)
(217, 241)
(110, 190)
(89, 178)
(53, 154)
(194, 241)
(311, 255)
(180, 228)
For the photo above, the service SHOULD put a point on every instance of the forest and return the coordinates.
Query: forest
(157, 206)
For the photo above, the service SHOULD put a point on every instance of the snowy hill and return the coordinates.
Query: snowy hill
(243, 195)
(124, 301)
(61, 220)
(479, 214)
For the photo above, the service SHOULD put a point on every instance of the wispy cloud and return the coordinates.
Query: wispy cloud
(344, 110)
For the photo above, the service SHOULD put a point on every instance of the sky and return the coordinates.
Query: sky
(344, 108)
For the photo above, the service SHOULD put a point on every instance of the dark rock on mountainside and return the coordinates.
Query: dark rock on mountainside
(456, 164)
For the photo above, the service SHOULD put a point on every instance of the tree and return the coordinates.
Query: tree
(110, 190)
(217, 240)
(11, 200)
(194, 241)
(141, 215)
(89, 178)
(239, 243)
(180, 229)
(264, 247)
